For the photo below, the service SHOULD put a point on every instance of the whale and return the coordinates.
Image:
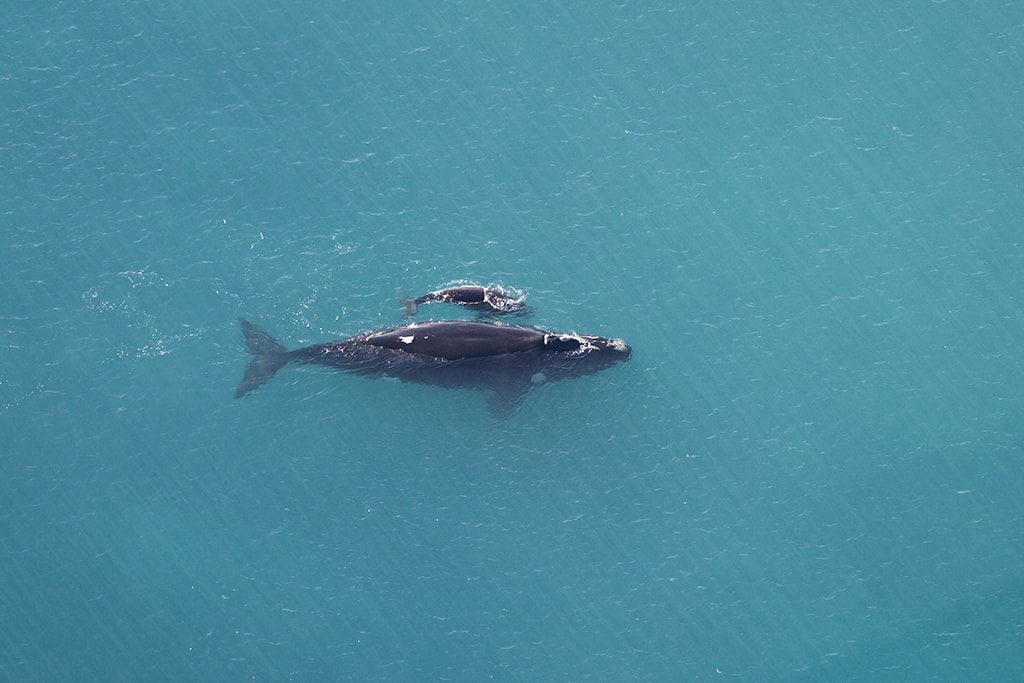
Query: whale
(484, 300)
(504, 360)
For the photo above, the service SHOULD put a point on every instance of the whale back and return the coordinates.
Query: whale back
(452, 340)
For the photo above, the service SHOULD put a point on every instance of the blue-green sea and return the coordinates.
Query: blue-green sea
(807, 219)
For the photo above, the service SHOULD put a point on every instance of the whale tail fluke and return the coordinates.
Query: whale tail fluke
(409, 306)
(270, 357)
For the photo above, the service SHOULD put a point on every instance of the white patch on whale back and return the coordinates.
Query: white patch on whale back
(538, 378)
(408, 339)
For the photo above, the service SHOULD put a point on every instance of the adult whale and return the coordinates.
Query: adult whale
(504, 359)
(484, 300)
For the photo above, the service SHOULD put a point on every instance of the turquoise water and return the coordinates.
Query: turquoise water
(806, 220)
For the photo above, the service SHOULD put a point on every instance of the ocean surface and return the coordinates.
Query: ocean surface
(807, 219)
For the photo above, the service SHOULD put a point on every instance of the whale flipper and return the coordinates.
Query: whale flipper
(270, 357)
(505, 399)
(409, 306)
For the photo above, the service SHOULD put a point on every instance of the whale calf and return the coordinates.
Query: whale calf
(485, 301)
(504, 359)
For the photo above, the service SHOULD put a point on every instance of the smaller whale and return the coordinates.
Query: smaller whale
(483, 300)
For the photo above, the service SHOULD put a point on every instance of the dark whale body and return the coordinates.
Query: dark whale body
(479, 355)
(483, 300)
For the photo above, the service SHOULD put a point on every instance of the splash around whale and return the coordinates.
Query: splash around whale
(504, 359)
